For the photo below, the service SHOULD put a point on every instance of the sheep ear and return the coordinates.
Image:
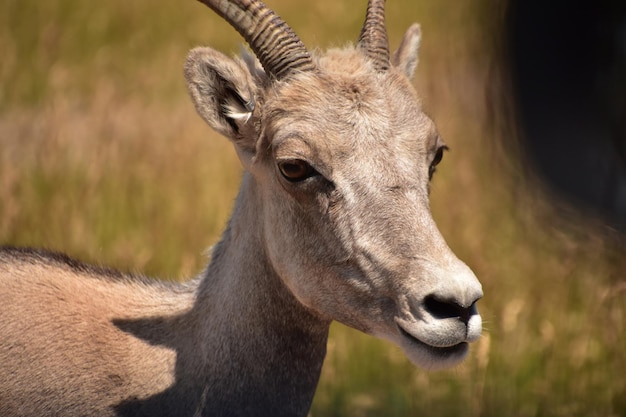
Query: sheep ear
(222, 91)
(406, 57)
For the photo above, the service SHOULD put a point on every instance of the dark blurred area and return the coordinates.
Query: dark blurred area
(568, 73)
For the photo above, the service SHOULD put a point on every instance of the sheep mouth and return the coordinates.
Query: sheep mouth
(441, 352)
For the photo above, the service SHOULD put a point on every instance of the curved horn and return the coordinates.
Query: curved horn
(278, 48)
(373, 38)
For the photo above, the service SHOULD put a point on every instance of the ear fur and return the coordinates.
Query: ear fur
(222, 91)
(406, 57)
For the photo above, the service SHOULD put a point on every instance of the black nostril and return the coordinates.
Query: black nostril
(441, 309)
(445, 309)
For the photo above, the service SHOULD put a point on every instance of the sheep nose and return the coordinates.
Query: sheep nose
(456, 295)
(445, 308)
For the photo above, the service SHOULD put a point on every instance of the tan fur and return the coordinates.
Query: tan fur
(353, 241)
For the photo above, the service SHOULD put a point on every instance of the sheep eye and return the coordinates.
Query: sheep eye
(296, 170)
(436, 160)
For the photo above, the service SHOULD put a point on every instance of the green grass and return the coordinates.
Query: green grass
(102, 156)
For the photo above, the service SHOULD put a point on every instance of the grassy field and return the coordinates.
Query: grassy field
(103, 157)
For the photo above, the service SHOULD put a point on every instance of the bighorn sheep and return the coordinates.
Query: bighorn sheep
(332, 222)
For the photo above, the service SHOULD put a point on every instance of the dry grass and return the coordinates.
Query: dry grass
(103, 157)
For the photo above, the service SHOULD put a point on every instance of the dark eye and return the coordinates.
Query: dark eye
(296, 170)
(436, 160)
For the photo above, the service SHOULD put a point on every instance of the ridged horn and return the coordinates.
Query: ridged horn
(373, 39)
(275, 44)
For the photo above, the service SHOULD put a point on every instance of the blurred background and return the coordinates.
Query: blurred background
(103, 157)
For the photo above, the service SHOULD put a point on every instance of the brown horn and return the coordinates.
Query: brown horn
(373, 38)
(275, 44)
